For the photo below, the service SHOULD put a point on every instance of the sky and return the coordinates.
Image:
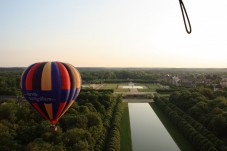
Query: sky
(113, 33)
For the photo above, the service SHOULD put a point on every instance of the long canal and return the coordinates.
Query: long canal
(147, 131)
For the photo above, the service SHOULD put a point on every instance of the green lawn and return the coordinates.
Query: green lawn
(110, 86)
(178, 137)
(126, 144)
(114, 86)
(153, 87)
(85, 86)
(122, 90)
(150, 87)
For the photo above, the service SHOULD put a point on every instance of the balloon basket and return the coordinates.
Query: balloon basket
(53, 128)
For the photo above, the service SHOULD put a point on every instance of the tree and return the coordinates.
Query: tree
(75, 136)
(198, 110)
(7, 142)
(38, 145)
(218, 124)
(81, 146)
(7, 111)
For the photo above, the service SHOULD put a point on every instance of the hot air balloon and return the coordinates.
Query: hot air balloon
(51, 88)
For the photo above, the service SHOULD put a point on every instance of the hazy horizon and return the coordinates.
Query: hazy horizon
(143, 34)
(124, 67)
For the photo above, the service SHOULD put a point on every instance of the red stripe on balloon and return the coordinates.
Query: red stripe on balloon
(36, 106)
(65, 79)
(28, 82)
(54, 121)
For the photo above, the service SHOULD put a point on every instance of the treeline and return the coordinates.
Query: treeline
(119, 76)
(152, 75)
(10, 84)
(10, 77)
(90, 124)
(194, 131)
(165, 91)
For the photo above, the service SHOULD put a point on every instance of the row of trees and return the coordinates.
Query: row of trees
(205, 106)
(92, 119)
(113, 141)
(196, 133)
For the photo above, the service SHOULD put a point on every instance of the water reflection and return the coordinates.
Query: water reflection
(147, 131)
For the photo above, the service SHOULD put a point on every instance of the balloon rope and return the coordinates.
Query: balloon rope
(184, 12)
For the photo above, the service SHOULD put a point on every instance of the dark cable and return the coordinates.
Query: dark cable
(184, 12)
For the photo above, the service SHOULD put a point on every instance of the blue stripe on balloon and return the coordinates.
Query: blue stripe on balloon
(76, 93)
(72, 94)
(64, 95)
(56, 87)
(56, 80)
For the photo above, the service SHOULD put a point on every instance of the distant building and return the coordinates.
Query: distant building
(130, 84)
(216, 87)
(175, 80)
(223, 82)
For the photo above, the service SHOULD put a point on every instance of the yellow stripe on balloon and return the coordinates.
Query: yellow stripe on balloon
(21, 78)
(77, 76)
(49, 109)
(46, 77)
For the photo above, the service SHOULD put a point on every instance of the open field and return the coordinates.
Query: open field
(85, 86)
(122, 90)
(126, 144)
(150, 88)
(131, 87)
(96, 86)
(116, 87)
(110, 86)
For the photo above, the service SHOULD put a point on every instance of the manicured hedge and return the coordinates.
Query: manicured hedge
(110, 139)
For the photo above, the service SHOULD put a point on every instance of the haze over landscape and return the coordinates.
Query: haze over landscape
(145, 33)
(120, 75)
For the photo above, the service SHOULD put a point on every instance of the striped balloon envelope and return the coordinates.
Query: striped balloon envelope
(51, 88)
